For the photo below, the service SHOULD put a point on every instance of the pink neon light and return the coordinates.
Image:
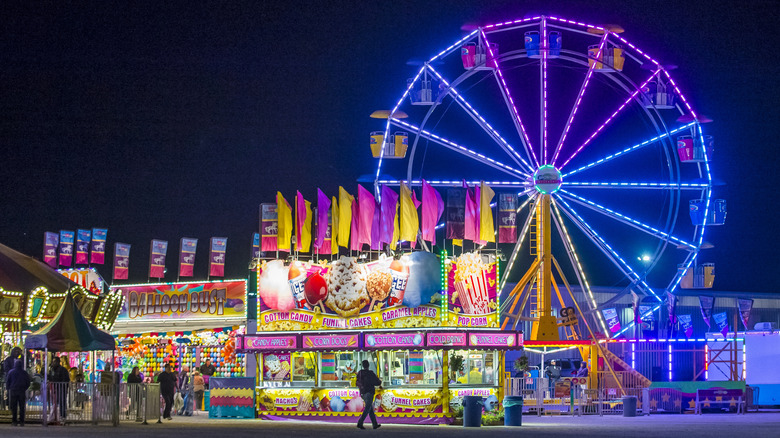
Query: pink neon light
(609, 119)
(511, 101)
(579, 99)
(545, 48)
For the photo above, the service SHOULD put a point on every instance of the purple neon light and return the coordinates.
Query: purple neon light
(571, 211)
(679, 93)
(629, 149)
(579, 99)
(609, 119)
(609, 212)
(464, 150)
(511, 101)
(455, 45)
(479, 116)
(545, 48)
(639, 185)
(509, 23)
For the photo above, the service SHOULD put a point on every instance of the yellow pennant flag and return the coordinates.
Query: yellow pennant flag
(486, 227)
(285, 224)
(409, 221)
(396, 229)
(345, 216)
(334, 225)
(306, 230)
(457, 242)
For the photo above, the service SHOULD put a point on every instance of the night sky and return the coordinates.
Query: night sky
(178, 119)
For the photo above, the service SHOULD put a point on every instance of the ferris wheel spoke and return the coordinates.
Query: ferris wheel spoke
(610, 118)
(575, 262)
(525, 186)
(635, 185)
(543, 90)
(629, 149)
(477, 117)
(461, 149)
(611, 254)
(578, 101)
(510, 103)
(625, 219)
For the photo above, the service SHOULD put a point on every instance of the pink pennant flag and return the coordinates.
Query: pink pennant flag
(430, 212)
(323, 206)
(472, 219)
(389, 206)
(366, 210)
(300, 219)
(354, 245)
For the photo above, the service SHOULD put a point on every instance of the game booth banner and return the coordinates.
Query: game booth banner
(331, 390)
(416, 290)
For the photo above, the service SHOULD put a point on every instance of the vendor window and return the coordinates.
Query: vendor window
(409, 367)
(339, 368)
(473, 367)
(304, 367)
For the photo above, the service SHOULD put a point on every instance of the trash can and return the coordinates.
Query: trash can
(472, 411)
(513, 410)
(629, 406)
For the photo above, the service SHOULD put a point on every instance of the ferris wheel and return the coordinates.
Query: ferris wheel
(604, 151)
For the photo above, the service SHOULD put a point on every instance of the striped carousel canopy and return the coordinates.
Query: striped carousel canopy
(70, 331)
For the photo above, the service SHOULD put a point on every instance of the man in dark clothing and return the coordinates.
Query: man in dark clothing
(16, 382)
(60, 377)
(207, 370)
(167, 381)
(8, 363)
(367, 381)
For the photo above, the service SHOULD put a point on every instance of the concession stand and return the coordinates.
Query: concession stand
(430, 348)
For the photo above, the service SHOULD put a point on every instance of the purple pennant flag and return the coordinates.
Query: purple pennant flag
(67, 239)
(50, 243)
(456, 213)
(723, 323)
(187, 250)
(613, 321)
(323, 207)
(98, 253)
(157, 258)
(82, 246)
(507, 218)
(376, 245)
(121, 260)
(354, 244)
(706, 303)
(366, 216)
(744, 306)
(687, 324)
(217, 256)
(389, 208)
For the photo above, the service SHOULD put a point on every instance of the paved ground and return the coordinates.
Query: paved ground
(754, 425)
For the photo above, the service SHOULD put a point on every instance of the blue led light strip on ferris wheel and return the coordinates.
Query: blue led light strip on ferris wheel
(654, 231)
(463, 149)
(630, 149)
(461, 99)
(635, 276)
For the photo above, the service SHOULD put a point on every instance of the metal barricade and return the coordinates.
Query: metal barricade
(530, 389)
(151, 402)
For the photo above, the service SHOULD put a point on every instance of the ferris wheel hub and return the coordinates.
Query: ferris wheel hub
(547, 179)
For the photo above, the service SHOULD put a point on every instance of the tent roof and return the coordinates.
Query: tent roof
(22, 273)
(70, 331)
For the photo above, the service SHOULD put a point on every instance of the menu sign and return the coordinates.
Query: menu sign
(399, 340)
(330, 342)
(446, 339)
(270, 342)
(494, 339)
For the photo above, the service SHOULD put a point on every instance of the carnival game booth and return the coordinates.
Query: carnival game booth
(426, 323)
(183, 323)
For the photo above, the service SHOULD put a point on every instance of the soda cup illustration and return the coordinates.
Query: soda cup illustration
(297, 279)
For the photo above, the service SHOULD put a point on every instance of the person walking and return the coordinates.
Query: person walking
(16, 382)
(367, 381)
(199, 385)
(134, 381)
(59, 377)
(167, 381)
(7, 366)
